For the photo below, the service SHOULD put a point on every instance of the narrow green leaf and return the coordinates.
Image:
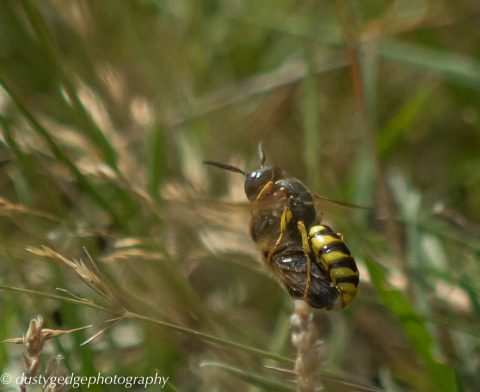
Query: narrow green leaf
(61, 156)
(441, 375)
(27, 165)
(87, 125)
(403, 119)
(311, 119)
(456, 67)
(469, 287)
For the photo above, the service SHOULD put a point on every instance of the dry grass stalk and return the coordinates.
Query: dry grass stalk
(9, 209)
(305, 339)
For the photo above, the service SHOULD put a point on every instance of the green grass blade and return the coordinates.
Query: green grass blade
(442, 378)
(62, 157)
(403, 119)
(87, 125)
(28, 167)
(455, 67)
(311, 113)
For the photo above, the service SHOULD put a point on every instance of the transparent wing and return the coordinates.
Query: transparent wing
(322, 201)
(333, 211)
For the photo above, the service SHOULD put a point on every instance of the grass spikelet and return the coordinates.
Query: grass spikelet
(91, 278)
(34, 341)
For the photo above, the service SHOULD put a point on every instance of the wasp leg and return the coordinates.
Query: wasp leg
(306, 249)
(286, 217)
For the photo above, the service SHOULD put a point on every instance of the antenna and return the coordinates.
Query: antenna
(261, 153)
(224, 166)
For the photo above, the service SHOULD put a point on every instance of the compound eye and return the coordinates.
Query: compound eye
(255, 182)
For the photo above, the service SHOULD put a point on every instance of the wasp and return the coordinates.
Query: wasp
(310, 260)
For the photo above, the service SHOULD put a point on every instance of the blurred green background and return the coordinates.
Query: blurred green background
(107, 111)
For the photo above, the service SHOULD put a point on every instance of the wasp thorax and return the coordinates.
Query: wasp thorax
(258, 179)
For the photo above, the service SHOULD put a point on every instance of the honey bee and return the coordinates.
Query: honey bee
(310, 260)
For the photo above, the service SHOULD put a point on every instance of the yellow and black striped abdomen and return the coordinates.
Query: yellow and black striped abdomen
(335, 258)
